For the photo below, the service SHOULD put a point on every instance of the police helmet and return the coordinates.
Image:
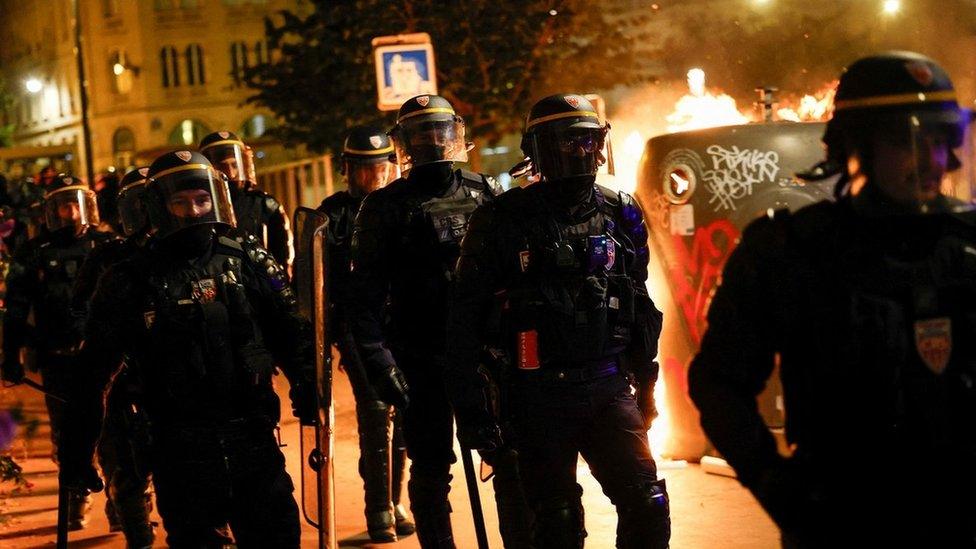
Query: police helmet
(185, 190)
(226, 152)
(132, 212)
(563, 137)
(69, 203)
(428, 130)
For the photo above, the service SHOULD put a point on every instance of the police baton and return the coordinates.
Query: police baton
(476, 512)
(38, 387)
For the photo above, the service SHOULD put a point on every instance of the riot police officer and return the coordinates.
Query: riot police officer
(41, 279)
(405, 243)
(257, 212)
(551, 282)
(867, 305)
(204, 319)
(367, 167)
(124, 443)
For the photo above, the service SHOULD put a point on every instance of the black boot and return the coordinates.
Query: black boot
(374, 468)
(404, 526)
(79, 504)
(431, 508)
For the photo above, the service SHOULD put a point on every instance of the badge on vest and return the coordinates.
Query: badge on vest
(524, 260)
(149, 317)
(933, 339)
(204, 291)
(601, 251)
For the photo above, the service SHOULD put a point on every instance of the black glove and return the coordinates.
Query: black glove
(478, 432)
(12, 371)
(304, 405)
(391, 387)
(645, 401)
(80, 477)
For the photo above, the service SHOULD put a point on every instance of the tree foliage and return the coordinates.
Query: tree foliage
(493, 60)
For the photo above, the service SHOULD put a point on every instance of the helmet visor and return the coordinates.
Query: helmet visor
(426, 142)
(368, 176)
(569, 152)
(920, 160)
(70, 207)
(131, 209)
(229, 159)
(187, 198)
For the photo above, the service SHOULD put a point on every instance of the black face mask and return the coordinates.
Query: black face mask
(570, 192)
(189, 243)
(435, 176)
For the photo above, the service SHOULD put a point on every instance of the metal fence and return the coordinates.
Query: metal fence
(301, 183)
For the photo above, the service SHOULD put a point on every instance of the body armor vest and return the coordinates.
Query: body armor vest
(893, 304)
(428, 247)
(58, 264)
(570, 299)
(204, 348)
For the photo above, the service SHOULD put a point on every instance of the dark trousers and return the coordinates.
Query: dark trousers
(123, 454)
(208, 477)
(428, 429)
(555, 422)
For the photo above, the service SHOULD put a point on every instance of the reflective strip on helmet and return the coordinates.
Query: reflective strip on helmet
(133, 185)
(897, 99)
(558, 116)
(373, 152)
(65, 189)
(208, 169)
(223, 142)
(432, 110)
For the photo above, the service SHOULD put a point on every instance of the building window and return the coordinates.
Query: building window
(123, 147)
(169, 61)
(110, 8)
(238, 61)
(121, 71)
(194, 65)
(254, 127)
(188, 133)
(261, 52)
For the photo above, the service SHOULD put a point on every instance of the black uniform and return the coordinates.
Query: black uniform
(406, 242)
(849, 303)
(204, 335)
(124, 443)
(382, 478)
(260, 214)
(557, 289)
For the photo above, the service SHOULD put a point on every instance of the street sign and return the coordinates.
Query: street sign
(404, 69)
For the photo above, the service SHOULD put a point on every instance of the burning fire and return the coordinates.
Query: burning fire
(811, 108)
(703, 109)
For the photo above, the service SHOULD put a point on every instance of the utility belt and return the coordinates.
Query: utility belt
(572, 372)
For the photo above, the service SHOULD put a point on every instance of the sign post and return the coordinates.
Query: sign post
(404, 68)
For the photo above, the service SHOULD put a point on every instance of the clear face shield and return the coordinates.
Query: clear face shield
(365, 176)
(921, 161)
(250, 171)
(73, 206)
(230, 160)
(188, 198)
(131, 209)
(426, 142)
(569, 152)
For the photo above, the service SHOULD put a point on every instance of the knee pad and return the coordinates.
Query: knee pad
(559, 522)
(644, 516)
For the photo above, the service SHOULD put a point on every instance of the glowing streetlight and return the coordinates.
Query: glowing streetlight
(33, 85)
(118, 69)
(891, 7)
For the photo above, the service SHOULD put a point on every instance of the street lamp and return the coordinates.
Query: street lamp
(891, 7)
(33, 85)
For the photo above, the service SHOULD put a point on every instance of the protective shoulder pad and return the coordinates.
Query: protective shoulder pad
(231, 243)
(480, 182)
(265, 266)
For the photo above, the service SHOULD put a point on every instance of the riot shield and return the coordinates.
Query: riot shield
(317, 440)
(306, 221)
